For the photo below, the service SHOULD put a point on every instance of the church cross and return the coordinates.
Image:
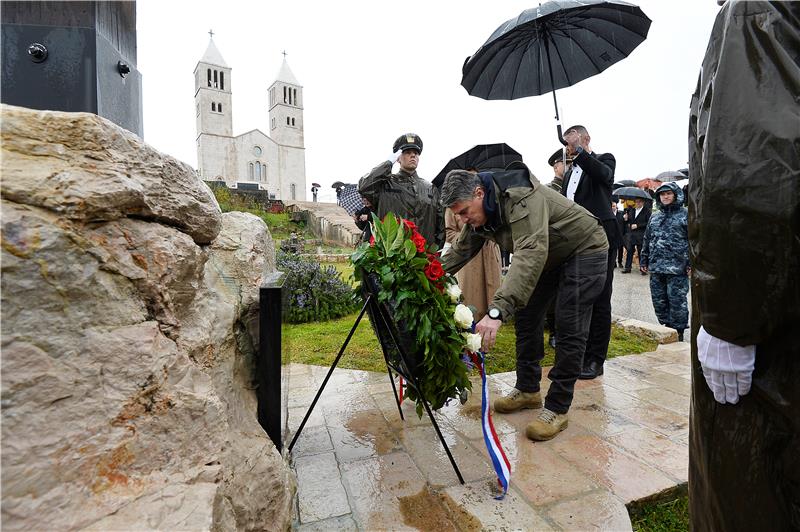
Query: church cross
(211, 33)
(284, 54)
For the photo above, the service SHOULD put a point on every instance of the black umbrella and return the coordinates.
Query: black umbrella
(553, 46)
(482, 157)
(669, 175)
(623, 183)
(632, 193)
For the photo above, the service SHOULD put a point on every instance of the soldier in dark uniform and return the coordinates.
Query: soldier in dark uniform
(665, 254)
(405, 193)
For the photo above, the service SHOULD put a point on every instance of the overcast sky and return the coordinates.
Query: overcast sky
(374, 70)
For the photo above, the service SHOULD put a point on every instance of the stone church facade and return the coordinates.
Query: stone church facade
(274, 162)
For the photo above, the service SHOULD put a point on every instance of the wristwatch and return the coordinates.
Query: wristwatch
(494, 313)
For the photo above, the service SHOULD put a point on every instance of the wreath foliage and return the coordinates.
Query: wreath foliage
(424, 300)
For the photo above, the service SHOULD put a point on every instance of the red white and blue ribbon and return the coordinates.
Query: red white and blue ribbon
(499, 460)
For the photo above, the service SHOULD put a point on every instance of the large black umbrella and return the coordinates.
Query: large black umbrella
(482, 157)
(632, 192)
(552, 46)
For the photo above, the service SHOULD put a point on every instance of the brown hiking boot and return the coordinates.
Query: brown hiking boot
(546, 426)
(517, 400)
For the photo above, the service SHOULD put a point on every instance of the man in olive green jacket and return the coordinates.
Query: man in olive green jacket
(405, 193)
(560, 250)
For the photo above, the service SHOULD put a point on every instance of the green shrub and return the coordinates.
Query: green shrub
(313, 293)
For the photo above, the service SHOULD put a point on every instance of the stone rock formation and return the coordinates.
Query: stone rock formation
(129, 317)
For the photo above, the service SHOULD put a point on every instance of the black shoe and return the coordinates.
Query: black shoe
(644, 273)
(626, 270)
(592, 370)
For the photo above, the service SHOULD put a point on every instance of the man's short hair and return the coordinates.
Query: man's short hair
(459, 185)
(580, 129)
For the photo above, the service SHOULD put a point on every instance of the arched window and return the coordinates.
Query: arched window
(284, 95)
(258, 171)
(294, 190)
(250, 173)
(209, 77)
(295, 96)
(222, 81)
(215, 79)
(292, 121)
(214, 106)
(287, 120)
(264, 173)
(219, 107)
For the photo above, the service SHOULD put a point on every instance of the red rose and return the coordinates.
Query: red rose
(408, 223)
(419, 241)
(371, 240)
(433, 270)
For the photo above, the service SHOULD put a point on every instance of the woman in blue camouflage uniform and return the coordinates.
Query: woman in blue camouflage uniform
(665, 254)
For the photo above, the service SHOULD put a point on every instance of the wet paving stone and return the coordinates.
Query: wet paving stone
(596, 511)
(361, 467)
(625, 476)
(320, 492)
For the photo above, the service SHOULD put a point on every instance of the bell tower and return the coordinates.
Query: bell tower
(214, 117)
(286, 108)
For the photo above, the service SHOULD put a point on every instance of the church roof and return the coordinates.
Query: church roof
(212, 55)
(286, 75)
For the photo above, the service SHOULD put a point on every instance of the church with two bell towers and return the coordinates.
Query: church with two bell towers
(253, 160)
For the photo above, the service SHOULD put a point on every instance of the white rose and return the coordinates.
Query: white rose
(454, 292)
(473, 342)
(463, 316)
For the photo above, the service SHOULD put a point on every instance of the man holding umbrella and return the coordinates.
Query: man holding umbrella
(405, 193)
(589, 185)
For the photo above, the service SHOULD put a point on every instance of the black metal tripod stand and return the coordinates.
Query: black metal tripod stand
(388, 336)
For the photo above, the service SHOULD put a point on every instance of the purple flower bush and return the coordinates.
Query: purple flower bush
(312, 292)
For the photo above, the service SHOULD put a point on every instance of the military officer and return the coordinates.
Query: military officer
(405, 193)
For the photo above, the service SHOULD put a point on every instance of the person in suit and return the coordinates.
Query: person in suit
(637, 218)
(621, 229)
(589, 185)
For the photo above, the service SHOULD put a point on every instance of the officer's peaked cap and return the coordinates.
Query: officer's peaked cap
(408, 141)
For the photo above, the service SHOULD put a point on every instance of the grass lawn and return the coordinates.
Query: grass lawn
(663, 517)
(318, 343)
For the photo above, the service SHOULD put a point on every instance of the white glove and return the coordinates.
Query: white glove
(395, 156)
(444, 249)
(727, 367)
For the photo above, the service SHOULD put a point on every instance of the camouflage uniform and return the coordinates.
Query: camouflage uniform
(666, 255)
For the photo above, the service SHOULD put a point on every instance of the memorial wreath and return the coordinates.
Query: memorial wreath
(424, 304)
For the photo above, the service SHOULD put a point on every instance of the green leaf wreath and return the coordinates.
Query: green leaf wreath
(425, 301)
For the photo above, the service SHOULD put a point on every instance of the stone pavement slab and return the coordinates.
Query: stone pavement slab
(360, 467)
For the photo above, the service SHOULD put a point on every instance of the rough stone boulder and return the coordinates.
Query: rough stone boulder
(129, 306)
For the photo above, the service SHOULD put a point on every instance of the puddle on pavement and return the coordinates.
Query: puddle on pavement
(369, 426)
(471, 411)
(436, 511)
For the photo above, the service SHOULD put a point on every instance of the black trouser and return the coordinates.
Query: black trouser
(635, 240)
(575, 285)
(600, 327)
(620, 249)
